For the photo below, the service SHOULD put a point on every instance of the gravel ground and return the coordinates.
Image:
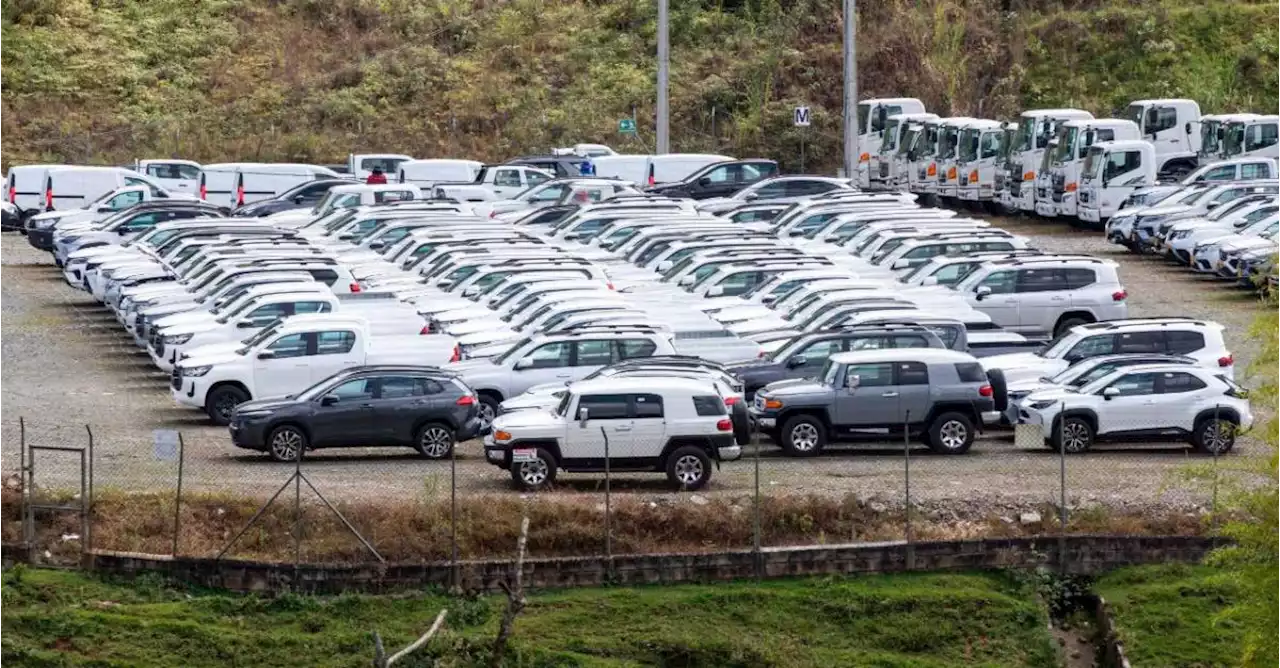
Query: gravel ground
(68, 364)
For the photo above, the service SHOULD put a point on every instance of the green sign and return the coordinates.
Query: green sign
(627, 126)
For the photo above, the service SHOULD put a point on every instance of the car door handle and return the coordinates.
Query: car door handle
(1057, 299)
(563, 375)
(889, 394)
(627, 428)
(366, 405)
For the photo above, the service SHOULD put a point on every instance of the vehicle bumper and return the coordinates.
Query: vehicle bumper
(969, 194)
(991, 417)
(188, 392)
(1089, 215)
(470, 430)
(1047, 208)
(729, 453)
(248, 434)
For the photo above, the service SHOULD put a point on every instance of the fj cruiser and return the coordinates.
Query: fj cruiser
(940, 395)
(678, 426)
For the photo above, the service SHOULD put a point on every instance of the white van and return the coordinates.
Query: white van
(233, 184)
(426, 173)
(180, 177)
(677, 166)
(361, 165)
(74, 187)
(24, 187)
(633, 168)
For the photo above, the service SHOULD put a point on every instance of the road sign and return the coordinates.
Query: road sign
(627, 126)
(165, 445)
(802, 117)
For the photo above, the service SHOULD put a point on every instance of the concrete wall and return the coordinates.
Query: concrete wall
(1082, 554)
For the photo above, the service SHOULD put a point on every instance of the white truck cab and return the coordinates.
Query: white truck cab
(361, 165)
(922, 165)
(873, 118)
(1059, 177)
(1251, 137)
(948, 154)
(179, 177)
(1111, 171)
(888, 166)
(1170, 126)
(978, 160)
(1211, 135)
(1036, 129)
(425, 173)
(496, 182)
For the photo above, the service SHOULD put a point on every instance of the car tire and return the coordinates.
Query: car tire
(688, 468)
(538, 473)
(220, 403)
(434, 440)
(1065, 325)
(1214, 436)
(803, 436)
(488, 409)
(999, 389)
(284, 442)
(741, 423)
(951, 434)
(1072, 435)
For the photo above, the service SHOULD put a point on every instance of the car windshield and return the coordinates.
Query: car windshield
(1066, 142)
(1059, 346)
(262, 335)
(515, 348)
(969, 144)
(1026, 131)
(1093, 163)
(562, 409)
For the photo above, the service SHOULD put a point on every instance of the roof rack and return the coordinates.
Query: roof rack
(1039, 259)
(1169, 320)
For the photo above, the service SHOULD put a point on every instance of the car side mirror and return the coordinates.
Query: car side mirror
(982, 293)
(750, 197)
(346, 237)
(267, 355)
(583, 415)
(704, 181)
(377, 245)
(797, 361)
(686, 280)
(795, 232)
(328, 400)
(123, 231)
(664, 265)
(523, 364)
(245, 324)
(929, 280)
(902, 263)
(852, 382)
(106, 208)
(1110, 392)
(297, 199)
(715, 291)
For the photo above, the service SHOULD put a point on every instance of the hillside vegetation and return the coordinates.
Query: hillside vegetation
(310, 80)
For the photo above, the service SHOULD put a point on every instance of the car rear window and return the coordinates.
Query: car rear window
(971, 372)
(709, 405)
(1182, 342)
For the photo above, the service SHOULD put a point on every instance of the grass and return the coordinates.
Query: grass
(54, 618)
(1170, 616)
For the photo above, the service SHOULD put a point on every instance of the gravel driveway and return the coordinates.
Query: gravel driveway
(67, 363)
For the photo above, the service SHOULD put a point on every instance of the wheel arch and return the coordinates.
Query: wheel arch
(549, 444)
(1220, 411)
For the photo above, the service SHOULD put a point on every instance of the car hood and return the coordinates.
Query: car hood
(751, 368)
(178, 317)
(1166, 210)
(272, 404)
(795, 386)
(1030, 385)
(1245, 243)
(468, 366)
(527, 419)
(1022, 366)
(1053, 393)
(211, 355)
(194, 327)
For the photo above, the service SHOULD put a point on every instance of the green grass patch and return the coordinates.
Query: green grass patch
(1170, 616)
(55, 618)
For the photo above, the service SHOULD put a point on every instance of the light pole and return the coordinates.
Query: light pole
(850, 89)
(664, 57)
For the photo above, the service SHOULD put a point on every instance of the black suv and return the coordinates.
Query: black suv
(721, 179)
(805, 354)
(424, 408)
(301, 196)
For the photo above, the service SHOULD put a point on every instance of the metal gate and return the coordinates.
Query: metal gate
(39, 504)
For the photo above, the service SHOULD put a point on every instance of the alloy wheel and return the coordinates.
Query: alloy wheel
(285, 444)
(1075, 437)
(533, 473)
(688, 470)
(804, 437)
(953, 434)
(435, 441)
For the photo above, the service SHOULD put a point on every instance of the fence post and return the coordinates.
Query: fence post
(757, 562)
(1213, 504)
(608, 511)
(177, 501)
(453, 517)
(23, 478)
(297, 511)
(906, 459)
(88, 527)
(1062, 493)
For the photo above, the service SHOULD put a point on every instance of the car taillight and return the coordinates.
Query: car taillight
(729, 401)
(1227, 360)
(724, 425)
(610, 284)
(204, 192)
(761, 355)
(426, 329)
(493, 214)
(354, 287)
(1119, 295)
(457, 351)
(48, 199)
(466, 400)
(13, 194)
(986, 391)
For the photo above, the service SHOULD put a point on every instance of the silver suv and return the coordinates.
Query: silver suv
(1044, 296)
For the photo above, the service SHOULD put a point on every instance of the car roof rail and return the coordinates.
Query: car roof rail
(1151, 320)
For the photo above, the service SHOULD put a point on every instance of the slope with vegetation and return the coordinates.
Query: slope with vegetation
(113, 80)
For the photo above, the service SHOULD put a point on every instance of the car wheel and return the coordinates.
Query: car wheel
(951, 434)
(689, 468)
(487, 410)
(222, 402)
(999, 389)
(434, 441)
(535, 473)
(285, 442)
(1073, 435)
(1214, 436)
(741, 423)
(1066, 324)
(803, 436)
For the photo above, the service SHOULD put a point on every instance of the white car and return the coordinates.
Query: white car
(1146, 401)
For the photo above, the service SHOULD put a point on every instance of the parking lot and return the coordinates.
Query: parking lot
(69, 365)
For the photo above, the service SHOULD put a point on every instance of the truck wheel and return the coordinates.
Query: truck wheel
(951, 434)
(534, 474)
(689, 468)
(803, 436)
(285, 441)
(434, 440)
(221, 402)
(999, 389)
(487, 410)
(1214, 436)
(1073, 435)
(741, 423)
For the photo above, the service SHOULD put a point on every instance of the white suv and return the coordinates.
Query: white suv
(1197, 339)
(1046, 295)
(676, 425)
(1158, 400)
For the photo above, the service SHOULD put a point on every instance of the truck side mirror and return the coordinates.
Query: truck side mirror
(715, 291)
(929, 280)
(377, 245)
(852, 381)
(523, 364)
(686, 280)
(797, 361)
(982, 293)
(267, 355)
(297, 199)
(328, 400)
(583, 415)
(246, 324)
(1110, 393)
(704, 181)
(664, 265)
(1187, 127)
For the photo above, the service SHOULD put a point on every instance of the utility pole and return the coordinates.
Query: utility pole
(850, 90)
(664, 57)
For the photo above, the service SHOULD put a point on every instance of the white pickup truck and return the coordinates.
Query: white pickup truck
(290, 356)
(497, 182)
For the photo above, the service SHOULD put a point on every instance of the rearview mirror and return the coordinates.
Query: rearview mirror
(266, 355)
(797, 361)
(982, 293)
(524, 364)
(1110, 392)
(328, 400)
(583, 414)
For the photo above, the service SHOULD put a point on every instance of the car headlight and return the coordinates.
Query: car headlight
(251, 415)
(177, 340)
(1041, 405)
(196, 370)
(66, 241)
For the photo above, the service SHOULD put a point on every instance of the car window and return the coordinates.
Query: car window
(1177, 382)
(1040, 280)
(1140, 342)
(1135, 384)
(1079, 278)
(1092, 346)
(709, 405)
(268, 313)
(293, 345)
(594, 353)
(815, 354)
(1224, 173)
(634, 348)
(869, 343)
(1181, 343)
(910, 341)
(326, 276)
(970, 372)
(506, 177)
(1254, 170)
(912, 373)
(361, 388)
(398, 387)
(603, 406)
(335, 342)
(125, 200)
(550, 355)
(773, 190)
(1000, 282)
(647, 405)
(869, 375)
(536, 178)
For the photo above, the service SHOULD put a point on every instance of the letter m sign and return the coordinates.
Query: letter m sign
(802, 117)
